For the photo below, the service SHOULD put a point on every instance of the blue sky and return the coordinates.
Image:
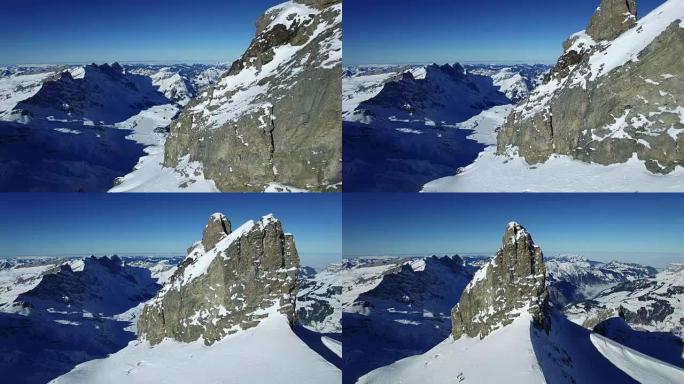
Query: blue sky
(641, 228)
(74, 31)
(147, 224)
(426, 31)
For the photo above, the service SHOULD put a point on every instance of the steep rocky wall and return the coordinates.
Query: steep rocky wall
(231, 286)
(606, 118)
(514, 281)
(275, 117)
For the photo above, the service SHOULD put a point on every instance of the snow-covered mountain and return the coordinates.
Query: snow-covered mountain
(503, 316)
(273, 120)
(608, 116)
(323, 297)
(226, 314)
(56, 313)
(404, 134)
(575, 278)
(515, 81)
(80, 128)
(180, 82)
(653, 303)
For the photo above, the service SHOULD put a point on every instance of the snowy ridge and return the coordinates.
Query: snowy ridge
(629, 45)
(240, 93)
(269, 352)
(640, 367)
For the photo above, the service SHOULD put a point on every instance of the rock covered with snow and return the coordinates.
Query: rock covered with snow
(275, 115)
(615, 92)
(512, 283)
(246, 274)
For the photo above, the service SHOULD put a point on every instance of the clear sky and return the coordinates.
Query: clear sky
(426, 31)
(642, 228)
(152, 224)
(75, 31)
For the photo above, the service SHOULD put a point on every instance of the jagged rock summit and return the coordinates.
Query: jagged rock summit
(513, 282)
(615, 94)
(612, 18)
(274, 117)
(230, 281)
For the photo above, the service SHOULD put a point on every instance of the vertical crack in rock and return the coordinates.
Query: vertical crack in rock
(513, 282)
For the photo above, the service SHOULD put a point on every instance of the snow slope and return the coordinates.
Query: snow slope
(510, 173)
(640, 367)
(517, 353)
(150, 175)
(267, 353)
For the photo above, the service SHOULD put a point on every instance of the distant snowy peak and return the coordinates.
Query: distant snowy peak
(103, 286)
(651, 303)
(233, 283)
(614, 93)
(103, 94)
(173, 86)
(435, 94)
(515, 81)
(575, 278)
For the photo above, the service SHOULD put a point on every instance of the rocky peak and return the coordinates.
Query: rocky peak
(318, 3)
(612, 100)
(274, 117)
(611, 19)
(216, 229)
(248, 274)
(513, 282)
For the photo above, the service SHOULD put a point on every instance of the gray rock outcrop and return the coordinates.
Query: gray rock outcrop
(611, 19)
(274, 117)
(514, 281)
(217, 228)
(248, 274)
(609, 100)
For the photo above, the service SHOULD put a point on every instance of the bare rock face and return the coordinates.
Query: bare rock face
(248, 274)
(274, 117)
(217, 229)
(613, 95)
(612, 18)
(513, 282)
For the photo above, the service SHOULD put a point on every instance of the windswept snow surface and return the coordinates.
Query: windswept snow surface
(642, 368)
(466, 360)
(333, 345)
(516, 353)
(486, 124)
(503, 173)
(268, 353)
(150, 175)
